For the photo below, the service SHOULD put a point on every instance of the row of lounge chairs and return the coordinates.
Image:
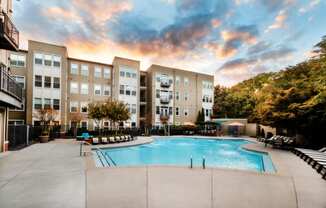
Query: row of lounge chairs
(112, 139)
(315, 158)
(279, 141)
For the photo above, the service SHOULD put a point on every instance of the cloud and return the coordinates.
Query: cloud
(233, 39)
(259, 47)
(279, 21)
(273, 5)
(312, 4)
(279, 53)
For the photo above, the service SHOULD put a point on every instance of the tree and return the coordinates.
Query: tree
(115, 112)
(96, 111)
(200, 117)
(46, 116)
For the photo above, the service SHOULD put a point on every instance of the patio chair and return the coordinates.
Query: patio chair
(95, 140)
(301, 151)
(117, 139)
(112, 139)
(104, 140)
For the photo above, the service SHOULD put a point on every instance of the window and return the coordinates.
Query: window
(107, 73)
(16, 122)
(128, 90)
(17, 60)
(47, 82)
(122, 89)
(47, 103)
(186, 112)
(170, 111)
(84, 124)
(98, 72)
(38, 59)
(74, 68)
(97, 89)
(128, 75)
(186, 81)
(207, 112)
(134, 75)
(73, 106)
(133, 92)
(106, 124)
(38, 81)
(133, 108)
(170, 95)
(107, 90)
(177, 95)
(157, 93)
(84, 107)
(84, 89)
(56, 104)
(157, 109)
(177, 111)
(48, 60)
(186, 95)
(158, 78)
(177, 80)
(74, 87)
(122, 73)
(56, 61)
(37, 103)
(84, 70)
(20, 80)
(56, 82)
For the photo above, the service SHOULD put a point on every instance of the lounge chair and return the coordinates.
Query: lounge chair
(95, 140)
(302, 151)
(112, 139)
(117, 139)
(104, 140)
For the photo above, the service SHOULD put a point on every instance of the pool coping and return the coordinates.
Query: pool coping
(147, 140)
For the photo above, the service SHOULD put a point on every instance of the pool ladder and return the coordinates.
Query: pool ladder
(100, 154)
(203, 162)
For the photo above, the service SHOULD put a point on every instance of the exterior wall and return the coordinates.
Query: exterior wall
(91, 80)
(187, 86)
(132, 66)
(19, 115)
(34, 69)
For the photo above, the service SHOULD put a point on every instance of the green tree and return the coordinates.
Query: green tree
(96, 112)
(200, 117)
(115, 112)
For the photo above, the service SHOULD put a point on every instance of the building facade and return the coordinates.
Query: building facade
(11, 93)
(54, 80)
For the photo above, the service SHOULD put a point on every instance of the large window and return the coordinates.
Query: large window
(186, 112)
(20, 80)
(177, 95)
(74, 68)
(38, 81)
(107, 90)
(98, 72)
(56, 104)
(97, 90)
(17, 60)
(47, 103)
(107, 73)
(37, 103)
(186, 81)
(133, 92)
(73, 106)
(158, 93)
(122, 73)
(157, 109)
(133, 109)
(74, 87)
(56, 82)
(177, 113)
(177, 80)
(48, 60)
(84, 70)
(47, 82)
(56, 61)
(186, 96)
(38, 59)
(84, 89)
(122, 89)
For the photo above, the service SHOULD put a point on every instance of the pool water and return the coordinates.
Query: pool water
(177, 151)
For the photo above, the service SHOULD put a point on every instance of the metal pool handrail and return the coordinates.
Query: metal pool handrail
(104, 155)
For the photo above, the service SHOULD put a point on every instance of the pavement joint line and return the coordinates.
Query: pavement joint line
(147, 186)
(212, 189)
(295, 192)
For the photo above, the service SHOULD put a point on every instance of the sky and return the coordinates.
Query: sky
(230, 39)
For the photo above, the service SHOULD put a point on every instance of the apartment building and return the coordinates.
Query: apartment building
(11, 94)
(176, 96)
(54, 80)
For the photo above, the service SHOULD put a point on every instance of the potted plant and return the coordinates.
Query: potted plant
(46, 116)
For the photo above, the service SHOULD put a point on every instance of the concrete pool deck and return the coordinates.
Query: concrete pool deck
(54, 175)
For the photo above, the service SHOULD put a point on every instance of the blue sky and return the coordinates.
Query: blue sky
(232, 39)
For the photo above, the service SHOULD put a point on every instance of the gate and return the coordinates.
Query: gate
(18, 136)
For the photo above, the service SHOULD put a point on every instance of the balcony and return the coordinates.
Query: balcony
(166, 82)
(11, 93)
(8, 33)
(165, 100)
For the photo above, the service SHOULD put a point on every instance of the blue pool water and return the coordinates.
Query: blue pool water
(178, 151)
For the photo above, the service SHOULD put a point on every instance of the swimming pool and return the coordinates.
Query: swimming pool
(178, 151)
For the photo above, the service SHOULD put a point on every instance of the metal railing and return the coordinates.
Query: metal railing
(9, 29)
(9, 85)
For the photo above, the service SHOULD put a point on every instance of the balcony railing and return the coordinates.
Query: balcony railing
(10, 86)
(9, 33)
(165, 100)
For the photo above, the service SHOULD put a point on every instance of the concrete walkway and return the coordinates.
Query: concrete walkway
(54, 175)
